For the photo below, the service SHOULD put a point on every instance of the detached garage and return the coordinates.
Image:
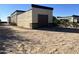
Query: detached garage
(41, 16)
(36, 17)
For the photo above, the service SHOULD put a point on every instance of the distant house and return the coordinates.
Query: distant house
(73, 18)
(37, 16)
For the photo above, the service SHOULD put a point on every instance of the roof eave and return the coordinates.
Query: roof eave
(43, 7)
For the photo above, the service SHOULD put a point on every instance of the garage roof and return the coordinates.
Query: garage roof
(43, 7)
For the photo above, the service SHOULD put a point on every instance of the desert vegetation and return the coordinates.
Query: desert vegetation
(64, 23)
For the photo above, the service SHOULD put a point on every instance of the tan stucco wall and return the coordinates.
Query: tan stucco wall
(73, 19)
(9, 19)
(14, 17)
(70, 19)
(24, 19)
(37, 11)
(76, 19)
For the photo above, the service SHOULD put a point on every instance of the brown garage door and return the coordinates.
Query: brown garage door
(42, 20)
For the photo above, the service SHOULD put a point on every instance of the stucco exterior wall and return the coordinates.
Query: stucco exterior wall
(76, 19)
(37, 11)
(25, 19)
(9, 19)
(14, 17)
(70, 19)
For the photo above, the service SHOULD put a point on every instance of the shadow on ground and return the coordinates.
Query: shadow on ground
(60, 29)
(6, 34)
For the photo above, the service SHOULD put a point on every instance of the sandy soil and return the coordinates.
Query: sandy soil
(18, 40)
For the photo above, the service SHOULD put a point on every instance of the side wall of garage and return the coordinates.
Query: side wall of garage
(13, 18)
(25, 19)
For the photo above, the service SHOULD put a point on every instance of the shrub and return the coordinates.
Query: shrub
(64, 22)
(75, 24)
(55, 21)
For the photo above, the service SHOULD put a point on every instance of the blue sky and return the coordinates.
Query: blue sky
(59, 9)
(7, 9)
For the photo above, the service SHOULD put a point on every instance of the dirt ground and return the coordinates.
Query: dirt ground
(14, 40)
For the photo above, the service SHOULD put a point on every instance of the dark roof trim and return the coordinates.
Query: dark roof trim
(75, 15)
(20, 11)
(26, 11)
(17, 11)
(43, 7)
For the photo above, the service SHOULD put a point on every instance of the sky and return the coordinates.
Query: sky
(7, 9)
(59, 9)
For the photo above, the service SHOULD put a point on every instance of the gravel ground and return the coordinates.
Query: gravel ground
(14, 40)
